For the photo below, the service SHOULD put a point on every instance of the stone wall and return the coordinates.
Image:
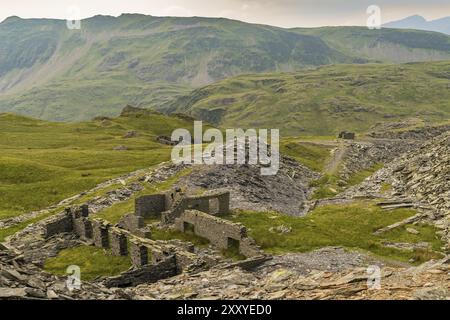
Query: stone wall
(220, 232)
(150, 205)
(169, 216)
(172, 197)
(61, 223)
(74, 219)
(118, 242)
(148, 274)
(100, 233)
(204, 203)
(135, 224)
(347, 135)
(153, 260)
(123, 240)
(217, 203)
(138, 253)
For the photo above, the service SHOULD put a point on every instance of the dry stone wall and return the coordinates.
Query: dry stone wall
(135, 224)
(150, 205)
(151, 259)
(220, 232)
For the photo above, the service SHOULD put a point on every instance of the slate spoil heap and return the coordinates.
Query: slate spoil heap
(21, 280)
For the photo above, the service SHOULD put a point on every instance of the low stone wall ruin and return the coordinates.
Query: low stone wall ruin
(150, 205)
(220, 232)
(147, 274)
(135, 224)
(217, 204)
(170, 205)
(149, 257)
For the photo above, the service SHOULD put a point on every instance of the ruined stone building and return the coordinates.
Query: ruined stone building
(154, 259)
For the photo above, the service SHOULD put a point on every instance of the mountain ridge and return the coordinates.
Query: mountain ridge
(50, 72)
(323, 101)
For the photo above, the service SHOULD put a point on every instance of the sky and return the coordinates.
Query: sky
(283, 13)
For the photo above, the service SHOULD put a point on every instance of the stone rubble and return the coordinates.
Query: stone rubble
(429, 281)
(420, 176)
(285, 192)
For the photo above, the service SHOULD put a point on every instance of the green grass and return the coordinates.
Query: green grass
(350, 226)
(170, 234)
(385, 187)
(93, 262)
(326, 186)
(233, 253)
(329, 185)
(360, 176)
(43, 163)
(314, 156)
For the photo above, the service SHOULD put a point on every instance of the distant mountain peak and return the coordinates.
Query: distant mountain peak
(420, 23)
(415, 17)
(11, 19)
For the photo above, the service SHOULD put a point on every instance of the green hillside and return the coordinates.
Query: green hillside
(44, 162)
(325, 100)
(384, 45)
(50, 72)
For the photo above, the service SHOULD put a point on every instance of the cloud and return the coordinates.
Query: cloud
(177, 11)
(285, 13)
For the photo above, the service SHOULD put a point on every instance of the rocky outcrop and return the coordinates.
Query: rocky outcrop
(386, 143)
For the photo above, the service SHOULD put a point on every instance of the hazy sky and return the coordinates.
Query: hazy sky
(285, 13)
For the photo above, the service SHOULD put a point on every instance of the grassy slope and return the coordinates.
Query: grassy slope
(350, 226)
(330, 184)
(326, 100)
(93, 262)
(312, 155)
(42, 162)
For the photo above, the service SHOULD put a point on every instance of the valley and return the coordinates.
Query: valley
(87, 179)
(301, 216)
